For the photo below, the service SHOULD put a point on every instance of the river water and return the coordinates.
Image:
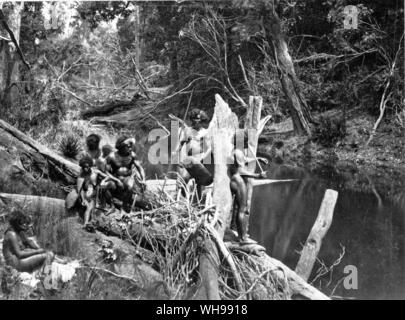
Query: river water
(370, 231)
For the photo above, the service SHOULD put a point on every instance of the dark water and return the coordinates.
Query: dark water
(372, 233)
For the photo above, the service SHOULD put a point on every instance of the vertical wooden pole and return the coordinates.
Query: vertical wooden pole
(251, 128)
(318, 231)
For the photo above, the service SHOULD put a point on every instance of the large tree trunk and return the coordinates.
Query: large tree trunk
(297, 105)
(222, 129)
(9, 59)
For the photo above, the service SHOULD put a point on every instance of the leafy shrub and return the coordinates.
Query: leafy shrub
(70, 146)
(329, 131)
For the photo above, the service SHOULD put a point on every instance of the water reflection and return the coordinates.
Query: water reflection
(371, 228)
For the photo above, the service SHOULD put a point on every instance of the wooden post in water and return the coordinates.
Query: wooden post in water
(320, 228)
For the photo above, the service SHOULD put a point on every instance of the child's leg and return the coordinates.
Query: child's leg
(31, 263)
(87, 213)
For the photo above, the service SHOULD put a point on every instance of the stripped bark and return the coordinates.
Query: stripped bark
(318, 231)
(252, 125)
(222, 129)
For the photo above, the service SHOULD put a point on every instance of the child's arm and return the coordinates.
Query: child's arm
(15, 248)
(245, 173)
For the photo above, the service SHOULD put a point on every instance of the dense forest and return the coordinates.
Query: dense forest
(330, 74)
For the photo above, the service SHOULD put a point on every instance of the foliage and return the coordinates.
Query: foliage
(70, 146)
(329, 131)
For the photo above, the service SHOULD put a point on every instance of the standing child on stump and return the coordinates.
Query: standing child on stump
(238, 184)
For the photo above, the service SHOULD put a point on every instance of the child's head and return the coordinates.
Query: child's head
(86, 162)
(19, 220)
(93, 142)
(106, 150)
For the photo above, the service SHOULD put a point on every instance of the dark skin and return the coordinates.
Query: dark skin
(124, 165)
(197, 148)
(87, 193)
(239, 189)
(25, 259)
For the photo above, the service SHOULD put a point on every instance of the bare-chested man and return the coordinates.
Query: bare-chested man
(124, 165)
(195, 151)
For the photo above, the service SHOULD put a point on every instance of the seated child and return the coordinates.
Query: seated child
(19, 251)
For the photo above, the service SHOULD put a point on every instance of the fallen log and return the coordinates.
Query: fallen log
(127, 117)
(109, 108)
(278, 270)
(320, 228)
(34, 203)
(25, 145)
(297, 285)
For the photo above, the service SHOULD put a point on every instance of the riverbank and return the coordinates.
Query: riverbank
(379, 166)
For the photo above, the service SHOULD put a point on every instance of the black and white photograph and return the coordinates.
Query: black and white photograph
(181, 150)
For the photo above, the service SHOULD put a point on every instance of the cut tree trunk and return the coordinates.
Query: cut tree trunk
(252, 123)
(222, 130)
(318, 231)
(223, 127)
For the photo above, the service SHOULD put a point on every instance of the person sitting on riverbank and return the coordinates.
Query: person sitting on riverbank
(124, 165)
(19, 251)
(101, 162)
(107, 185)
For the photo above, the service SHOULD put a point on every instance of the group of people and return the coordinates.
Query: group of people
(109, 173)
